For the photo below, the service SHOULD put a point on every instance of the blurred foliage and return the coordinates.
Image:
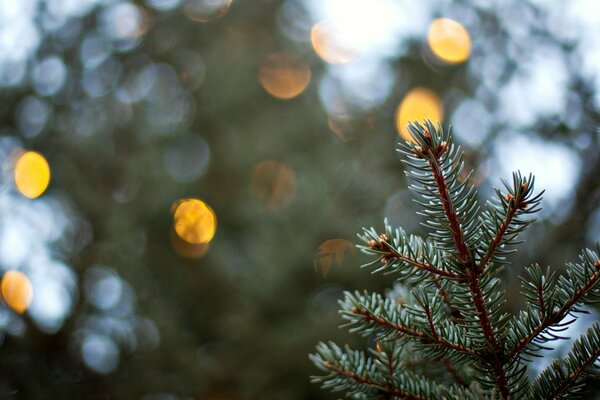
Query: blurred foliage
(138, 105)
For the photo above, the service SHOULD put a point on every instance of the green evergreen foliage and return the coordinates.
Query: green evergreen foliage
(451, 338)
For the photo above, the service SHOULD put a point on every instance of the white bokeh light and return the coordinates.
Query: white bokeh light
(100, 353)
(55, 288)
(375, 28)
(377, 31)
(537, 90)
(555, 166)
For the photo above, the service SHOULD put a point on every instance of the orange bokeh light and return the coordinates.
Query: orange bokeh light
(284, 76)
(17, 291)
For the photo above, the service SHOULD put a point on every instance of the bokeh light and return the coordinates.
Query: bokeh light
(554, 166)
(17, 291)
(186, 158)
(49, 76)
(194, 221)
(123, 22)
(103, 288)
(101, 80)
(283, 76)
(418, 104)
(32, 116)
(32, 174)
(330, 251)
(100, 353)
(169, 108)
(274, 183)
(94, 49)
(449, 40)
(471, 122)
(206, 10)
(55, 294)
(330, 44)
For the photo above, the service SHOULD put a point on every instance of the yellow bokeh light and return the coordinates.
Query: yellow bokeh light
(274, 183)
(32, 174)
(194, 221)
(418, 104)
(206, 10)
(330, 45)
(449, 40)
(283, 76)
(17, 291)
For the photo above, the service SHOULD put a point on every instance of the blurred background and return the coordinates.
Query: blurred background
(182, 181)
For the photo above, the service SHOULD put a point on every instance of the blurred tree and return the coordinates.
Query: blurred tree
(137, 105)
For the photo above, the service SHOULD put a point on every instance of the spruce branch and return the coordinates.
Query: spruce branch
(453, 321)
(351, 370)
(388, 354)
(495, 350)
(556, 299)
(564, 378)
(382, 318)
(435, 164)
(458, 378)
(454, 311)
(414, 259)
(503, 220)
(410, 256)
(442, 162)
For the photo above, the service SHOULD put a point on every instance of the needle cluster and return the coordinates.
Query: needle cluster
(450, 338)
